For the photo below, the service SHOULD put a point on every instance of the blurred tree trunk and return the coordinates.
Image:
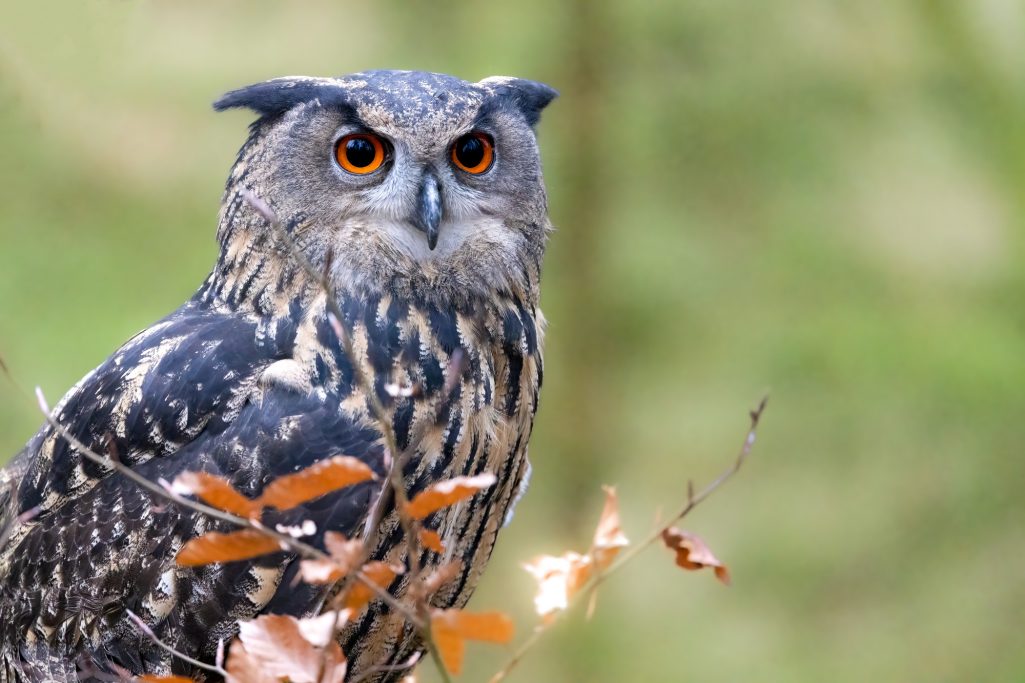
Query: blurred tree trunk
(580, 210)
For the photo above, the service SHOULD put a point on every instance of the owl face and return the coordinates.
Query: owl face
(402, 176)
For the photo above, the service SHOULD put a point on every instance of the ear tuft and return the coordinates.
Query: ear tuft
(278, 95)
(529, 97)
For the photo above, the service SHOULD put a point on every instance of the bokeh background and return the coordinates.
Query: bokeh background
(822, 199)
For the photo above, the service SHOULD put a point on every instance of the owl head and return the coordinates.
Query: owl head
(409, 180)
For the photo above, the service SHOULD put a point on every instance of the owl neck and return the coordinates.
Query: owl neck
(257, 272)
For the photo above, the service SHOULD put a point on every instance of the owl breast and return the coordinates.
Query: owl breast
(474, 375)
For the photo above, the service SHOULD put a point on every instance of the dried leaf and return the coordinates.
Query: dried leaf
(320, 630)
(320, 572)
(216, 492)
(343, 551)
(335, 665)
(431, 540)
(559, 579)
(438, 578)
(380, 574)
(451, 648)
(446, 493)
(217, 547)
(278, 645)
(609, 538)
(451, 628)
(316, 480)
(692, 553)
(244, 668)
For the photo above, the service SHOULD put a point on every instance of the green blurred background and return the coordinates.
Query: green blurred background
(821, 199)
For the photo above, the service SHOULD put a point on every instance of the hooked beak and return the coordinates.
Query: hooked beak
(428, 209)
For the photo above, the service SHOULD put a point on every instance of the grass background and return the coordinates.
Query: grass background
(820, 198)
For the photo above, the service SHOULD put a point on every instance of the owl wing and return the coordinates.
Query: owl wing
(185, 395)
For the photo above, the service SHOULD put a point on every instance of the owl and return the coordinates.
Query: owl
(420, 199)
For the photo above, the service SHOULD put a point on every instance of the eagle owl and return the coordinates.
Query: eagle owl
(420, 196)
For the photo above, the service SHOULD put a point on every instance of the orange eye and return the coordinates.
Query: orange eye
(360, 153)
(473, 153)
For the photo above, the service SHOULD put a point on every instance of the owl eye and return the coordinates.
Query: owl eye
(473, 153)
(360, 153)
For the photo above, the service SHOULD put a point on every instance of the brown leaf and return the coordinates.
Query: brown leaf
(316, 480)
(609, 538)
(216, 492)
(559, 579)
(446, 493)
(244, 668)
(343, 551)
(451, 628)
(320, 572)
(451, 648)
(431, 540)
(380, 574)
(217, 547)
(438, 578)
(320, 630)
(692, 553)
(335, 665)
(278, 646)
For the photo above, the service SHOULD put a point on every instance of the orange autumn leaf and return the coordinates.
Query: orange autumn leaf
(320, 572)
(448, 492)
(243, 667)
(439, 577)
(283, 493)
(277, 644)
(320, 630)
(217, 547)
(451, 628)
(342, 550)
(692, 553)
(431, 540)
(609, 538)
(380, 574)
(272, 648)
(559, 579)
(344, 553)
(335, 665)
(316, 480)
(216, 492)
(151, 678)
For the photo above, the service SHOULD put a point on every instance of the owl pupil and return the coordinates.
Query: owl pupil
(470, 152)
(360, 152)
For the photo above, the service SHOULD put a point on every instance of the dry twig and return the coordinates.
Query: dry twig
(693, 500)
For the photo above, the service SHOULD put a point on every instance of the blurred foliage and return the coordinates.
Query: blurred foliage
(818, 197)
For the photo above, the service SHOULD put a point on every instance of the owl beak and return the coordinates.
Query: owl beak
(428, 209)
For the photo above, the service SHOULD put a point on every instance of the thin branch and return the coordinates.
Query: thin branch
(295, 545)
(693, 500)
(148, 632)
(387, 668)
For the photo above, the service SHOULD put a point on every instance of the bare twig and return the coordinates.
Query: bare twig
(164, 491)
(693, 500)
(148, 632)
(387, 668)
